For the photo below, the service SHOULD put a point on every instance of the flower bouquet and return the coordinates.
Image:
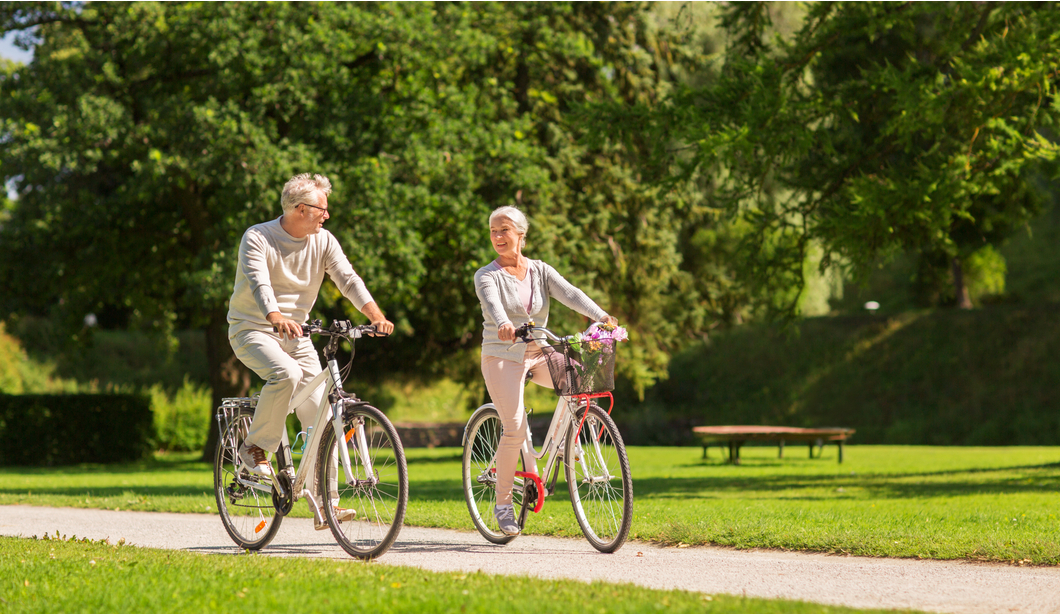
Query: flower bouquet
(585, 362)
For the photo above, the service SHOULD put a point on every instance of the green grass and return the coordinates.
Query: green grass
(990, 504)
(57, 575)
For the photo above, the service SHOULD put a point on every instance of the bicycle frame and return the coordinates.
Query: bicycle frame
(330, 408)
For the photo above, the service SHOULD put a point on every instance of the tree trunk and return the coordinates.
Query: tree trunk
(960, 289)
(228, 376)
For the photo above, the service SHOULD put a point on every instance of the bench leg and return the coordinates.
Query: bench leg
(780, 449)
(704, 450)
(811, 449)
(841, 451)
(734, 452)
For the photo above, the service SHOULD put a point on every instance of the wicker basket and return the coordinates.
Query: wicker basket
(582, 368)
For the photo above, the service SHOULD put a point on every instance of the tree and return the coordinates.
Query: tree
(878, 128)
(144, 138)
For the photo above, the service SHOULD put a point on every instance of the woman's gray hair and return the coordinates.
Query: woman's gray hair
(302, 188)
(517, 218)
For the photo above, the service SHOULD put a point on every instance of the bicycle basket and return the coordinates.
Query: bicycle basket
(581, 368)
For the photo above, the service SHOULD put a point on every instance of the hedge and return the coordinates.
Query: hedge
(67, 429)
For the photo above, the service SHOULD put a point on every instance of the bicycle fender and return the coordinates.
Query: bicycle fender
(486, 407)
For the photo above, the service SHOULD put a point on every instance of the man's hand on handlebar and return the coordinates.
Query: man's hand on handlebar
(383, 327)
(287, 329)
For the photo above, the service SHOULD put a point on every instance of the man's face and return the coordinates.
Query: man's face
(314, 214)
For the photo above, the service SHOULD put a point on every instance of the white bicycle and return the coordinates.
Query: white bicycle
(581, 435)
(352, 446)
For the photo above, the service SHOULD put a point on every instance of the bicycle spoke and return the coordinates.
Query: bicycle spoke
(379, 498)
(480, 475)
(598, 479)
(247, 512)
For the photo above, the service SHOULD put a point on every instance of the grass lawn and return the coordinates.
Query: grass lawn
(63, 576)
(992, 504)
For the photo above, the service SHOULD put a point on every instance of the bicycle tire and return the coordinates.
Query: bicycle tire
(247, 514)
(380, 500)
(478, 470)
(604, 512)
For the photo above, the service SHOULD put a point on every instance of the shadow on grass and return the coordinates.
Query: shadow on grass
(154, 465)
(1044, 479)
(1034, 479)
(430, 460)
(97, 492)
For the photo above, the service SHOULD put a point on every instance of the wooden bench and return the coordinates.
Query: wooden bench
(736, 436)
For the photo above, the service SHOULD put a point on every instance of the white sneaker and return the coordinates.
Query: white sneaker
(505, 515)
(255, 460)
(341, 514)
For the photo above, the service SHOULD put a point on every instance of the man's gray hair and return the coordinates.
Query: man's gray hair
(302, 188)
(517, 218)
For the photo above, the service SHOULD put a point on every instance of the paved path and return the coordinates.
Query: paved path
(853, 581)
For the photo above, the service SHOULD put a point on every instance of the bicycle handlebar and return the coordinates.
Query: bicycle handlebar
(339, 328)
(525, 332)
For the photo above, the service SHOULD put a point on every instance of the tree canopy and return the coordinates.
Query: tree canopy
(683, 175)
(876, 128)
(144, 138)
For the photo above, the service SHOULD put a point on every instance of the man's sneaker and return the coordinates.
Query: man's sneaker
(341, 514)
(505, 515)
(255, 460)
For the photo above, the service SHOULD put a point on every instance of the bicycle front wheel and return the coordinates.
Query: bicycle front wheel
(243, 500)
(597, 472)
(378, 494)
(479, 471)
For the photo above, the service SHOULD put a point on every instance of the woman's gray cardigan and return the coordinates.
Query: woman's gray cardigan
(498, 293)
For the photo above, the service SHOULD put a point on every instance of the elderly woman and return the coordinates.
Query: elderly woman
(514, 290)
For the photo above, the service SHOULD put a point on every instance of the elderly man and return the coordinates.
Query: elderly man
(281, 266)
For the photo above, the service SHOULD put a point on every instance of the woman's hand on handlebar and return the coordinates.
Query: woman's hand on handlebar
(612, 320)
(506, 332)
(287, 329)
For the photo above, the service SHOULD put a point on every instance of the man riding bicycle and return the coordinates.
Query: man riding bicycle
(281, 267)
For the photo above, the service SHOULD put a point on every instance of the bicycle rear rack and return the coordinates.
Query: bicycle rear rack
(231, 406)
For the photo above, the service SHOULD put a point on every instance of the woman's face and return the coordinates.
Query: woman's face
(504, 237)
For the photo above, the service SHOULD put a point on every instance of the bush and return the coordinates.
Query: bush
(74, 428)
(181, 422)
(945, 377)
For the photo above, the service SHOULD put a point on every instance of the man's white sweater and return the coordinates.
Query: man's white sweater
(278, 272)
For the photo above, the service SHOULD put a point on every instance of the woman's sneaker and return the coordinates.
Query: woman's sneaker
(255, 460)
(505, 515)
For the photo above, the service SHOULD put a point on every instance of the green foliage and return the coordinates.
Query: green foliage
(875, 129)
(181, 421)
(19, 374)
(73, 428)
(145, 138)
(942, 378)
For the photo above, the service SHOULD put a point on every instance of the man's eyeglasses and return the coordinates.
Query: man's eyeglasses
(314, 206)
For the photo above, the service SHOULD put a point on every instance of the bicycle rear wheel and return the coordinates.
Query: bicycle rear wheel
(479, 470)
(597, 472)
(379, 496)
(247, 512)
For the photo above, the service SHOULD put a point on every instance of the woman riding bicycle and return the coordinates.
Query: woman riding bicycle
(514, 290)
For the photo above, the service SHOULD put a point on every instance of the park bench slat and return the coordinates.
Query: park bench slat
(736, 435)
